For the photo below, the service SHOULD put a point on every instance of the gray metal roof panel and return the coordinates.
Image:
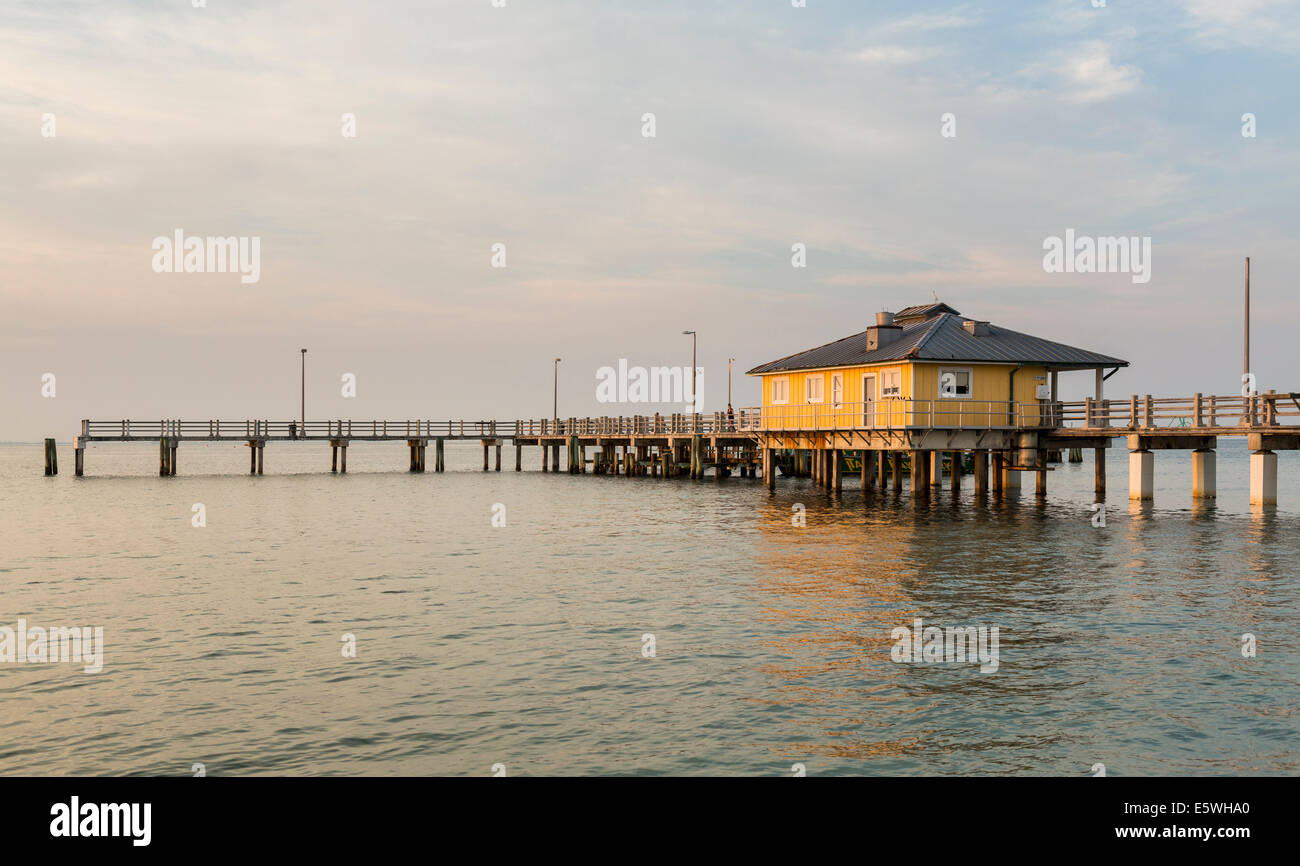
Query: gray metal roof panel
(942, 338)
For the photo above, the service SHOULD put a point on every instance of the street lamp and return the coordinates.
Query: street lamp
(730, 361)
(693, 341)
(555, 397)
(304, 392)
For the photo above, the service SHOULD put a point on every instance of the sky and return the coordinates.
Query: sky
(522, 125)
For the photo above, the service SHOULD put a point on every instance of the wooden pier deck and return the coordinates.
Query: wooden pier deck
(1016, 437)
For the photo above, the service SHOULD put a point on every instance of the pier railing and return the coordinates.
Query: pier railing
(1266, 410)
(266, 429)
(711, 424)
(900, 413)
(1270, 409)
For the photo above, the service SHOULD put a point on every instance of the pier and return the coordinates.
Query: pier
(1003, 438)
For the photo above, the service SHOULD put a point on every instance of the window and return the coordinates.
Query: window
(837, 390)
(813, 387)
(954, 383)
(891, 383)
(781, 389)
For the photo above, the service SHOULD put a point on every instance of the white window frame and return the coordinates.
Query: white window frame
(784, 381)
(837, 402)
(970, 383)
(885, 374)
(807, 388)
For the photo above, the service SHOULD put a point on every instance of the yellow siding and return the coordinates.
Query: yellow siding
(918, 404)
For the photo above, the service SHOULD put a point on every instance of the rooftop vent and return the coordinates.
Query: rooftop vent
(976, 328)
(883, 332)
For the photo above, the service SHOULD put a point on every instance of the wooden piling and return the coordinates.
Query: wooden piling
(1099, 471)
(934, 470)
(837, 480)
(51, 458)
(896, 469)
(999, 474)
(438, 458)
(485, 455)
(164, 454)
(954, 476)
(343, 458)
(519, 457)
(981, 471)
(498, 463)
(1040, 481)
(546, 457)
(78, 458)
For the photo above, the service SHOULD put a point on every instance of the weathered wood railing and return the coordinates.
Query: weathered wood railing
(266, 429)
(639, 425)
(1269, 409)
(896, 413)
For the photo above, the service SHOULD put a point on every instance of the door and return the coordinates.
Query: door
(869, 401)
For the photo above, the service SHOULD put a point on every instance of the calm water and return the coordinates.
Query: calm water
(522, 645)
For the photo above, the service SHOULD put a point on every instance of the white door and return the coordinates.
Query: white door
(869, 401)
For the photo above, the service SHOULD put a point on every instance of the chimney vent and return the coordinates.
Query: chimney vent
(883, 332)
(976, 328)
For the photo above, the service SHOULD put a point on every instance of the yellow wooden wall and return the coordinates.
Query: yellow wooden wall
(920, 381)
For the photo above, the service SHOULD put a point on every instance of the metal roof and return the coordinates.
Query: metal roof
(943, 338)
(924, 311)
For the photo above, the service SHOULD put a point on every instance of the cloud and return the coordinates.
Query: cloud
(893, 55)
(1092, 76)
(1224, 24)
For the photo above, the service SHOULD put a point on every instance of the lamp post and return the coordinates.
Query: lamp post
(730, 361)
(303, 405)
(693, 344)
(555, 397)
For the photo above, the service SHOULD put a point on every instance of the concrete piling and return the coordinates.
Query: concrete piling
(1263, 478)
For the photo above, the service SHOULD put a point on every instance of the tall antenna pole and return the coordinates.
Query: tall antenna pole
(1246, 356)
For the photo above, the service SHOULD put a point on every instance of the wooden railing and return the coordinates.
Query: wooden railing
(640, 425)
(1266, 410)
(1199, 411)
(262, 429)
(898, 413)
